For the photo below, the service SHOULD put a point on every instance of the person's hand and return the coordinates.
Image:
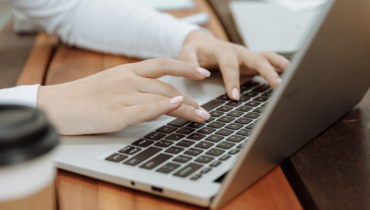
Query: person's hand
(116, 98)
(204, 50)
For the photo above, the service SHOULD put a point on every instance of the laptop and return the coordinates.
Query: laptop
(211, 163)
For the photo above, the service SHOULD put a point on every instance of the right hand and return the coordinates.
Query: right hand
(124, 95)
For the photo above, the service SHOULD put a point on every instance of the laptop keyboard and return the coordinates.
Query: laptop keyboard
(189, 149)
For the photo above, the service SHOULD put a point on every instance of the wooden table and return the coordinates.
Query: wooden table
(320, 176)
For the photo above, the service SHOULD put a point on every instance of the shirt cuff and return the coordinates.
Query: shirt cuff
(22, 95)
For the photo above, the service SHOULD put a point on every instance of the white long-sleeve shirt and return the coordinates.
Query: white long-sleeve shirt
(120, 27)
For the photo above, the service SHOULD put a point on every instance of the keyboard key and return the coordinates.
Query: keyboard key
(166, 129)
(174, 150)
(268, 94)
(223, 97)
(206, 130)
(116, 157)
(263, 105)
(154, 136)
(253, 103)
(225, 145)
(224, 132)
(193, 152)
(244, 98)
(163, 143)
(216, 124)
(215, 164)
(235, 138)
(175, 137)
(233, 103)
(185, 130)
(259, 110)
(225, 119)
(182, 159)
(235, 114)
(142, 143)
(252, 115)
(224, 108)
(261, 99)
(206, 170)
(216, 113)
(244, 132)
(244, 108)
(195, 125)
(210, 119)
(168, 167)
(196, 177)
(142, 156)
(212, 104)
(234, 126)
(248, 85)
(243, 120)
(178, 122)
(204, 145)
(250, 126)
(196, 136)
(215, 152)
(154, 162)
(240, 146)
(234, 151)
(185, 143)
(204, 159)
(225, 157)
(262, 88)
(214, 138)
(250, 94)
(187, 170)
(130, 150)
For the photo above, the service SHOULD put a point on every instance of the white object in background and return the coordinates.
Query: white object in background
(270, 27)
(298, 5)
(23, 24)
(199, 19)
(168, 4)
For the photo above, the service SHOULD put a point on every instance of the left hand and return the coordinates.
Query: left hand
(205, 50)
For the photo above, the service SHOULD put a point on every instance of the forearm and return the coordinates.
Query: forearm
(115, 26)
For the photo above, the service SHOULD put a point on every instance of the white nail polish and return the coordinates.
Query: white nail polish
(235, 93)
(203, 72)
(278, 80)
(202, 114)
(177, 99)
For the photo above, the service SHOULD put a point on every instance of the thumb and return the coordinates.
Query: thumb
(141, 113)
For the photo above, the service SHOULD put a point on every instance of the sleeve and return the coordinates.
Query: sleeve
(116, 26)
(21, 95)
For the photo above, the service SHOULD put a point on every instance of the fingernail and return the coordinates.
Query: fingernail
(177, 99)
(278, 80)
(203, 72)
(236, 94)
(202, 114)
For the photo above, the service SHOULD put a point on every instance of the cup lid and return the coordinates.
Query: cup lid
(24, 134)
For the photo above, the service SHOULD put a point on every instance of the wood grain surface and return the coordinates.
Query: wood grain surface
(14, 51)
(81, 192)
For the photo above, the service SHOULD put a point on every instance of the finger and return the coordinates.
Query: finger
(189, 55)
(141, 113)
(156, 87)
(184, 111)
(260, 64)
(229, 67)
(276, 60)
(158, 67)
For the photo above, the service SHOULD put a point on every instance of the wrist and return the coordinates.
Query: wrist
(197, 36)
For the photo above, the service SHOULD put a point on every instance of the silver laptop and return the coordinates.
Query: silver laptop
(209, 164)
